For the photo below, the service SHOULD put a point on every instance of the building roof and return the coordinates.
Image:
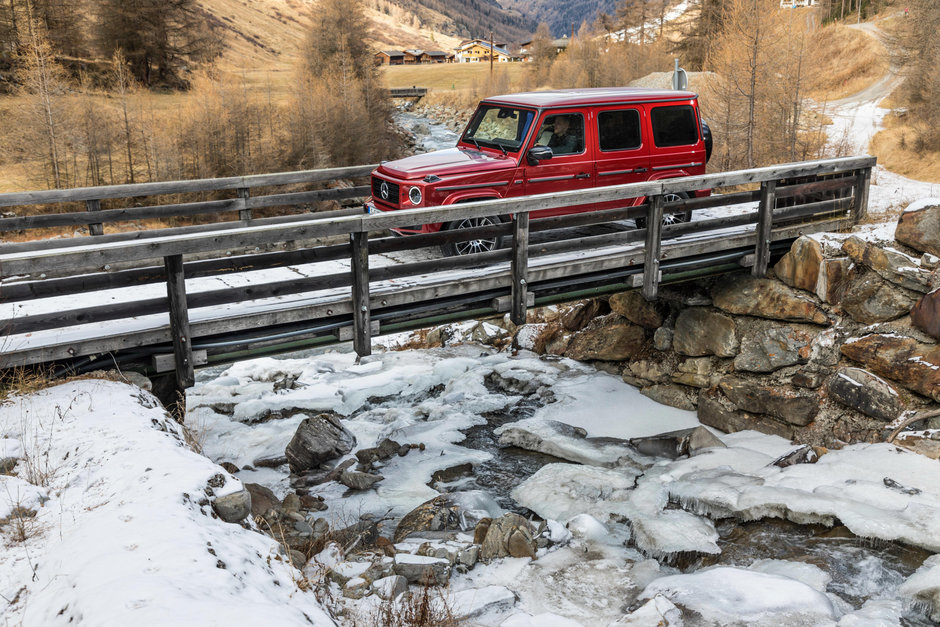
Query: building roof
(598, 95)
(414, 52)
(438, 53)
(392, 53)
(485, 44)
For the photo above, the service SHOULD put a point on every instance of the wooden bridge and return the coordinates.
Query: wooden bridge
(408, 92)
(168, 299)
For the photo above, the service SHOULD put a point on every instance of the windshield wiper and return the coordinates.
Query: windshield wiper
(475, 143)
(501, 147)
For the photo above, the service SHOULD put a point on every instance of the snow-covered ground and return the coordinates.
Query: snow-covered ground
(114, 525)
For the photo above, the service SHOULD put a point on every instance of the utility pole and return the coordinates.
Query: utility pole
(492, 53)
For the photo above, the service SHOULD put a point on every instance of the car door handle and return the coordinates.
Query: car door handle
(638, 170)
(583, 175)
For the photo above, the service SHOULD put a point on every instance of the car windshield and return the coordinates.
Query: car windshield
(499, 127)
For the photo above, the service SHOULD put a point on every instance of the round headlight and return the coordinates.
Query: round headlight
(414, 195)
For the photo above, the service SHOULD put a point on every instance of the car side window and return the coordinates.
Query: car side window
(619, 130)
(674, 126)
(563, 133)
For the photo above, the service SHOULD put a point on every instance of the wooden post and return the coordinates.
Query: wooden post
(244, 214)
(765, 220)
(862, 183)
(654, 229)
(179, 321)
(520, 268)
(96, 228)
(362, 331)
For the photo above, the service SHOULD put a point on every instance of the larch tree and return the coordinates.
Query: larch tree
(918, 52)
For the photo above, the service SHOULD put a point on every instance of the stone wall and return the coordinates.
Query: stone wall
(839, 341)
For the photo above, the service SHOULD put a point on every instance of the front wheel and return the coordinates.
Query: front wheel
(670, 218)
(470, 247)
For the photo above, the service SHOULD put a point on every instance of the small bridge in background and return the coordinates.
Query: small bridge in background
(408, 92)
(262, 285)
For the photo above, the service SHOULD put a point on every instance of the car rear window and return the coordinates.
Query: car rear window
(674, 126)
(619, 130)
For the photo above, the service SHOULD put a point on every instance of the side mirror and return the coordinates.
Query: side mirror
(538, 153)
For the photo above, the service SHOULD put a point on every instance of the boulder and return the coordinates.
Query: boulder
(318, 439)
(422, 570)
(891, 265)
(769, 347)
(355, 480)
(263, 499)
(765, 298)
(717, 412)
(610, 338)
(635, 308)
(920, 229)
(833, 279)
(912, 364)
(510, 535)
(391, 587)
(672, 395)
(926, 314)
(700, 331)
(578, 315)
(385, 450)
(867, 393)
(697, 372)
(234, 507)
(675, 444)
(870, 299)
(439, 514)
(662, 338)
(800, 266)
(773, 400)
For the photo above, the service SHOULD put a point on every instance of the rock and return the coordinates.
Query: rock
(867, 393)
(422, 570)
(662, 338)
(291, 502)
(385, 450)
(635, 308)
(765, 298)
(480, 531)
(673, 395)
(391, 587)
(652, 370)
(804, 454)
(362, 535)
(228, 466)
(355, 480)
(914, 365)
(697, 372)
(344, 572)
(439, 514)
(926, 314)
(578, 315)
(800, 266)
(920, 229)
(233, 507)
(270, 462)
(510, 535)
(610, 338)
(357, 588)
(453, 473)
(891, 265)
(931, 262)
(833, 279)
(769, 348)
(787, 405)
(263, 499)
(870, 299)
(318, 439)
(7, 464)
(297, 559)
(469, 556)
(467, 605)
(717, 412)
(537, 337)
(675, 444)
(701, 331)
(316, 477)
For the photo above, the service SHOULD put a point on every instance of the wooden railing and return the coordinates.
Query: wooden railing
(546, 256)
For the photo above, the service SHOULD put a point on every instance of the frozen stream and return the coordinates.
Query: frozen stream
(717, 568)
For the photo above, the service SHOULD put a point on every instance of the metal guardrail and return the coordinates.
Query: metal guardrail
(792, 198)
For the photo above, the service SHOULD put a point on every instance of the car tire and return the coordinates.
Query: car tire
(669, 218)
(471, 247)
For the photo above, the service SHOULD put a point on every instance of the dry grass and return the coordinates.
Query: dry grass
(427, 607)
(448, 76)
(895, 151)
(846, 62)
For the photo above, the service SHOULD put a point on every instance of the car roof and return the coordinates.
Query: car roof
(590, 96)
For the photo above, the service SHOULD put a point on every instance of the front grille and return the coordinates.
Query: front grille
(391, 195)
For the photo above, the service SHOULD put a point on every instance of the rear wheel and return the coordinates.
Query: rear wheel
(670, 218)
(470, 247)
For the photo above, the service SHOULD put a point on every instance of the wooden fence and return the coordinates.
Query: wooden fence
(547, 256)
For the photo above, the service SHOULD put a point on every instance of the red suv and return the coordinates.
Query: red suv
(550, 141)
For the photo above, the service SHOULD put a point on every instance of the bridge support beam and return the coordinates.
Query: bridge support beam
(654, 228)
(862, 184)
(179, 322)
(520, 269)
(362, 324)
(765, 222)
